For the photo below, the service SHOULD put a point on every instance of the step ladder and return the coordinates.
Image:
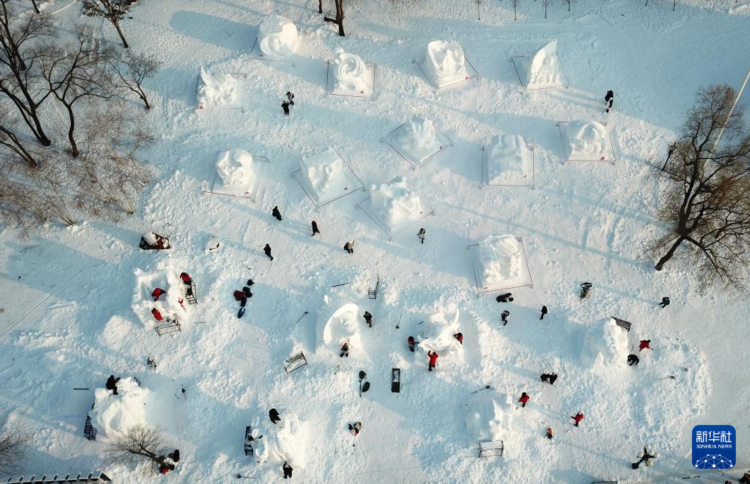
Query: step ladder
(88, 429)
(373, 293)
(190, 294)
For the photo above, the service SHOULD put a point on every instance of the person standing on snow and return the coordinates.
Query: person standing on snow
(524, 399)
(609, 98)
(276, 214)
(504, 317)
(578, 417)
(544, 312)
(410, 341)
(504, 298)
(273, 414)
(349, 247)
(433, 359)
(315, 228)
(645, 456)
(459, 337)
(368, 318)
(645, 344)
(344, 350)
(421, 234)
(267, 250)
(633, 360)
(549, 433)
(287, 470)
(355, 428)
(549, 378)
(290, 97)
(112, 384)
(664, 302)
(285, 106)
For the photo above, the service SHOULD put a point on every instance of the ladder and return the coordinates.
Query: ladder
(88, 429)
(373, 293)
(190, 294)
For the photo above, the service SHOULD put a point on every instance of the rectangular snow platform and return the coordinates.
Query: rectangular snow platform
(525, 280)
(294, 362)
(354, 184)
(92, 477)
(491, 448)
(367, 93)
(249, 191)
(471, 74)
(395, 380)
(612, 160)
(622, 323)
(170, 326)
(88, 429)
(517, 63)
(366, 207)
(248, 442)
(526, 180)
(445, 143)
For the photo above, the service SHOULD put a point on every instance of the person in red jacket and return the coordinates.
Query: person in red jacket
(459, 337)
(524, 399)
(157, 314)
(186, 279)
(578, 418)
(410, 341)
(157, 293)
(645, 345)
(433, 359)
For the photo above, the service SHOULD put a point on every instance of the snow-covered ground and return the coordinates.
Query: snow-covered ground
(66, 316)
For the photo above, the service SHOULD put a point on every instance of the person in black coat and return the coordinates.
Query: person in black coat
(267, 250)
(285, 106)
(315, 228)
(112, 384)
(368, 318)
(544, 312)
(273, 414)
(287, 470)
(549, 378)
(504, 298)
(175, 456)
(276, 214)
(609, 99)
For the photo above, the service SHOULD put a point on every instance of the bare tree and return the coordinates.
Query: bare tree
(36, 9)
(18, 74)
(339, 20)
(568, 2)
(515, 8)
(707, 202)
(320, 6)
(12, 450)
(546, 4)
(135, 69)
(112, 10)
(77, 72)
(9, 140)
(138, 444)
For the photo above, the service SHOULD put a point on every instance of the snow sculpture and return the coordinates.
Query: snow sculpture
(343, 327)
(418, 139)
(544, 69)
(277, 37)
(490, 417)
(587, 140)
(349, 72)
(216, 89)
(605, 343)
(395, 203)
(116, 414)
(501, 259)
(324, 175)
(508, 160)
(284, 442)
(444, 63)
(170, 304)
(235, 168)
(437, 334)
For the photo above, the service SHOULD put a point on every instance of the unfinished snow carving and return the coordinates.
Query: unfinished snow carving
(235, 169)
(283, 442)
(216, 89)
(418, 139)
(395, 204)
(508, 160)
(444, 63)
(437, 334)
(501, 259)
(544, 69)
(490, 417)
(170, 303)
(343, 327)
(587, 141)
(116, 414)
(324, 175)
(605, 344)
(350, 72)
(277, 37)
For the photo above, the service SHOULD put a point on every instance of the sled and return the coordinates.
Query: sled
(162, 243)
(169, 326)
(395, 380)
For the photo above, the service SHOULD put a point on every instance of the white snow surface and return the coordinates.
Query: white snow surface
(217, 89)
(395, 204)
(66, 315)
(587, 141)
(501, 258)
(277, 37)
(508, 160)
(544, 69)
(444, 63)
(113, 415)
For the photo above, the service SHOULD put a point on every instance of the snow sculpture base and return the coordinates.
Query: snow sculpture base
(542, 71)
(326, 177)
(586, 141)
(417, 141)
(366, 92)
(605, 344)
(394, 206)
(217, 90)
(277, 40)
(498, 264)
(249, 190)
(508, 162)
(444, 65)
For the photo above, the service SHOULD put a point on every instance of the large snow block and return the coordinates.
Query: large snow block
(508, 161)
(113, 414)
(605, 344)
(543, 70)
(418, 140)
(171, 304)
(217, 90)
(489, 417)
(277, 38)
(326, 177)
(348, 75)
(586, 141)
(394, 206)
(444, 64)
(343, 326)
(499, 263)
(436, 334)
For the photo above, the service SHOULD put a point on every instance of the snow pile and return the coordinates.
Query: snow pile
(436, 334)
(508, 160)
(235, 169)
(116, 414)
(217, 89)
(605, 343)
(171, 304)
(444, 63)
(395, 203)
(283, 442)
(324, 175)
(490, 417)
(277, 37)
(418, 139)
(544, 69)
(349, 72)
(501, 259)
(586, 140)
(343, 327)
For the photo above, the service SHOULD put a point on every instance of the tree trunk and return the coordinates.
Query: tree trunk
(71, 138)
(340, 16)
(28, 112)
(18, 148)
(36, 9)
(119, 32)
(669, 254)
(320, 6)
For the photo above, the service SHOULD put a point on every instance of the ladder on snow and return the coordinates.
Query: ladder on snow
(88, 429)
(170, 326)
(190, 294)
(373, 293)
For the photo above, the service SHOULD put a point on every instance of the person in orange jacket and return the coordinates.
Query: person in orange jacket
(578, 418)
(433, 359)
